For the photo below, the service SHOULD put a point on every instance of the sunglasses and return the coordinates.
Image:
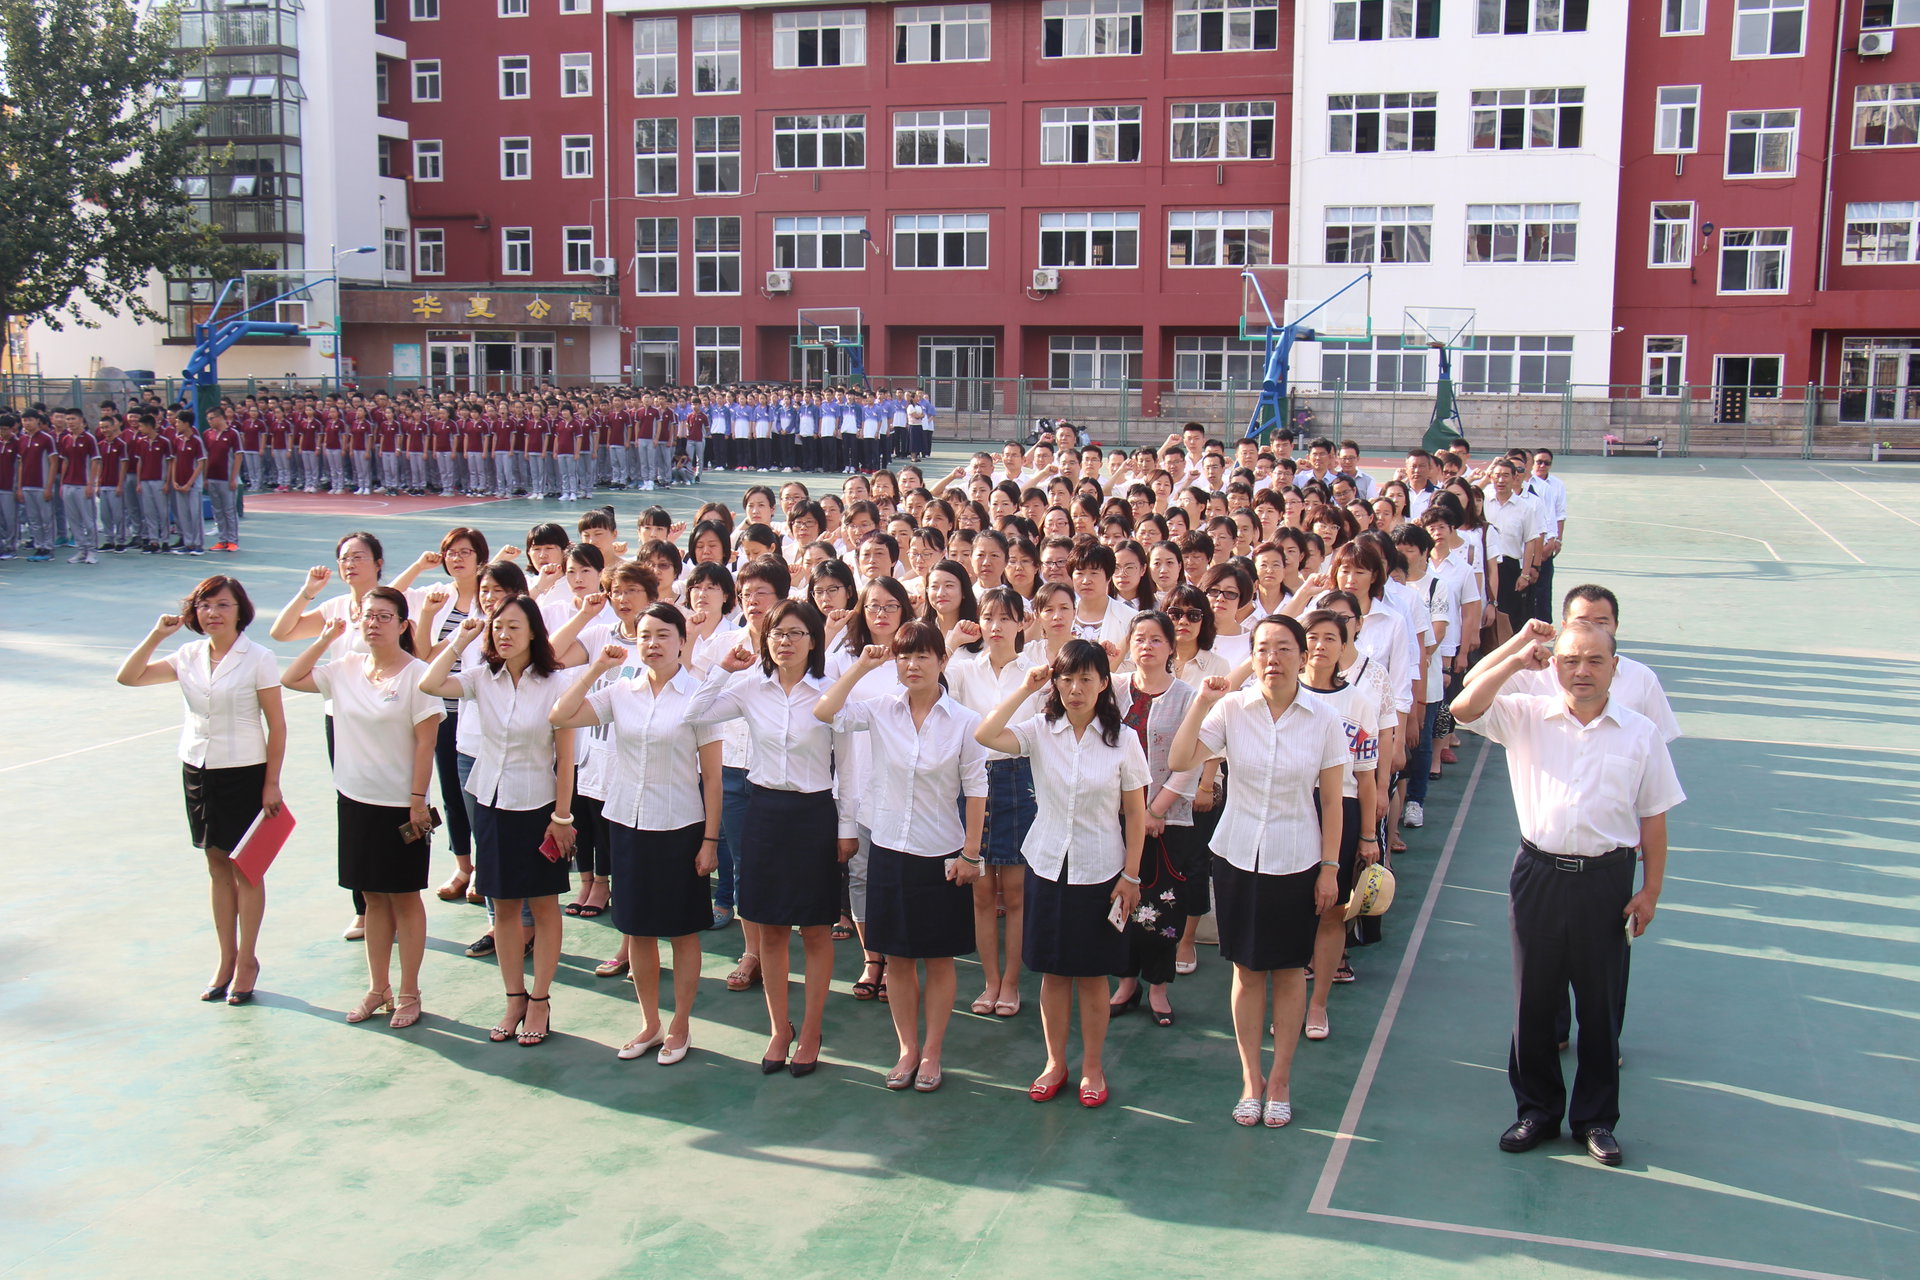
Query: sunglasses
(1187, 613)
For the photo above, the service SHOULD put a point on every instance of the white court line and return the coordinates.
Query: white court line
(290, 695)
(1803, 515)
(1691, 528)
(1875, 501)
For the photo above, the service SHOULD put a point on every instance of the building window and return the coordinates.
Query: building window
(1210, 362)
(576, 75)
(716, 53)
(1761, 144)
(1225, 26)
(1663, 365)
(426, 161)
(1526, 364)
(381, 75)
(1522, 232)
(1519, 119)
(716, 349)
(1880, 379)
(1890, 13)
(656, 58)
(516, 159)
(656, 152)
(820, 244)
(1219, 237)
(426, 10)
(1089, 135)
(576, 250)
(1886, 115)
(387, 166)
(1094, 362)
(1530, 17)
(1676, 126)
(927, 241)
(576, 155)
(1223, 130)
(820, 142)
(1880, 231)
(942, 33)
(1386, 19)
(1089, 239)
(1671, 244)
(934, 138)
(516, 77)
(716, 256)
(1755, 260)
(426, 80)
(656, 255)
(394, 241)
(716, 155)
(429, 252)
(1379, 365)
(515, 8)
(1683, 18)
(516, 251)
(1384, 233)
(576, 6)
(1769, 28)
(1089, 28)
(835, 38)
(1362, 122)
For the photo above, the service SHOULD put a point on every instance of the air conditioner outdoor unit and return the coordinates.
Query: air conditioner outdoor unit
(1876, 44)
(291, 313)
(605, 267)
(779, 282)
(1046, 279)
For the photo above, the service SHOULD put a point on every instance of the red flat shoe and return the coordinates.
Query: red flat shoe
(1093, 1098)
(1041, 1091)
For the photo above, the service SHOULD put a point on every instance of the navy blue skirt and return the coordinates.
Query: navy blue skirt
(1066, 930)
(913, 910)
(1265, 922)
(656, 893)
(789, 858)
(507, 862)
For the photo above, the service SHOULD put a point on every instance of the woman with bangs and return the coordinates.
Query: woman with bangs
(1131, 586)
(1228, 589)
(1097, 616)
(1052, 614)
(1023, 566)
(950, 602)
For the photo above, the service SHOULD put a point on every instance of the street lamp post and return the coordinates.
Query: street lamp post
(339, 336)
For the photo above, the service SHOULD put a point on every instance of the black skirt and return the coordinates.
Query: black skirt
(657, 894)
(1265, 922)
(373, 857)
(913, 910)
(1066, 931)
(789, 858)
(507, 862)
(1193, 869)
(221, 803)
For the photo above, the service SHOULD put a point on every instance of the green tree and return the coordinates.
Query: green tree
(92, 147)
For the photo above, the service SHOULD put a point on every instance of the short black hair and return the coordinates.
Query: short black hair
(1592, 593)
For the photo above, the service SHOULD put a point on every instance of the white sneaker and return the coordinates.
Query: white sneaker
(78, 557)
(1415, 815)
(90, 558)
(646, 486)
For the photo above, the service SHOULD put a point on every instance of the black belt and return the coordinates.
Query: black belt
(1566, 862)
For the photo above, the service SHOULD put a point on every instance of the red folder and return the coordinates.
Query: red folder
(261, 845)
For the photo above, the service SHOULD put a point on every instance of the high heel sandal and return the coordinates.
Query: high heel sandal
(865, 990)
(770, 1066)
(376, 1002)
(215, 992)
(456, 888)
(531, 1038)
(505, 1032)
(406, 1010)
(740, 979)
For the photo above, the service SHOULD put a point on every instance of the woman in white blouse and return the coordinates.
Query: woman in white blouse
(922, 759)
(384, 729)
(1083, 850)
(1098, 615)
(662, 809)
(231, 749)
(1276, 863)
(522, 783)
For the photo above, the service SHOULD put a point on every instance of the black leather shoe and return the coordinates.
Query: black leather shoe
(1527, 1133)
(1602, 1146)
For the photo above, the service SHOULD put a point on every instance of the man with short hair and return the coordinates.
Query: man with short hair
(1348, 465)
(36, 481)
(184, 478)
(112, 487)
(9, 475)
(222, 480)
(1515, 532)
(1547, 489)
(79, 473)
(1420, 485)
(1319, 464)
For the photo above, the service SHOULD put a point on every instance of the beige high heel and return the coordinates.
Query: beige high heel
(406, 1010)
(376, 1002)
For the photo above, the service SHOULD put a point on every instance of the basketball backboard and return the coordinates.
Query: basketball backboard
(829, 326)
(1335, 302)
(1437, 327)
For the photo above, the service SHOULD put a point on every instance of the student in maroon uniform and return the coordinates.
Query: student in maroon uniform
(113, 488)
(360, 444)
(222, 449)
(151, 453)
(441, 444)
(35, 484)
(280, 444)
(9, 474)
(80, 487)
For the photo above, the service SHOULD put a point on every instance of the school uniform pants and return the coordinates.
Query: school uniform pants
(39, 504)
(617, 470)
(282, 468)
(189, 517)
(83, 526)
(250, 468)
(226, 511)
(113, 516)
(9, 521)
(153, 510)
(312, 470)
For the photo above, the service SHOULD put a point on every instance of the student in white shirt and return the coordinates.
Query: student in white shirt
(1516, 530)
(924, 768)
(1551, 493)
(231, 749)
(1083, 851)
(883, 608)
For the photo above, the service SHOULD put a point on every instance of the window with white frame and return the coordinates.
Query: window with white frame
(426, 80)
(1683, 17)
(429, 251)
(576, 155)
(1089, 135)
(1676, 125)
(820, 244)
(1094, 361)
(1663, 364)
(826, 38)
(656, 57)
(1762, 144)
(1379, 233)
(942, 33)
(576, 6)
(1367, 122)
(1381, 364)
(1094, 239)
(1671, 242)
(394, 241)
(1890, 13)
(716, 354)
(1090, 28)
(820, 142)
(1881, 231)
(426, 160)
(716, 53)
(516, 159)
(932, 241)
(1523, 119)
(1222, 130)
(576, 75)
(1754, 260)
(515, 8)
(936, 138)
(1769, 28)
(1386, 19)
(1886, 115)
(1525, 364)
(576, 250)
(716, 155)
(1225, 26)
(426, 10)
(516, 76)
(1217, 362)
(516, 251)
(656, 157)
(1536, 233)
(386, 149)
(716, 256)
(381, 77)
(1529, 17)
(1219, 237)
(656, 256)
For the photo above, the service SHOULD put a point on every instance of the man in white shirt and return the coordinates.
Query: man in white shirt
(1516, 531)
(1349, 466)
(1547, 489)
(1319, 464)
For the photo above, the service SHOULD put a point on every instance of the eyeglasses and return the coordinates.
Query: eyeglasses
(357, 557)
(1187, 613)
(764, 593)
(1344, 617)
(1222, 593)
(790, 635)
(880, 610)
(383, 616)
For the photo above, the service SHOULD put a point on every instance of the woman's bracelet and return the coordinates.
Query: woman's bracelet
(1334, 865)
(559, 821)
(1129, 879)
(709, 839)
(1368, 840)
(972, 862)
(420, 794)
